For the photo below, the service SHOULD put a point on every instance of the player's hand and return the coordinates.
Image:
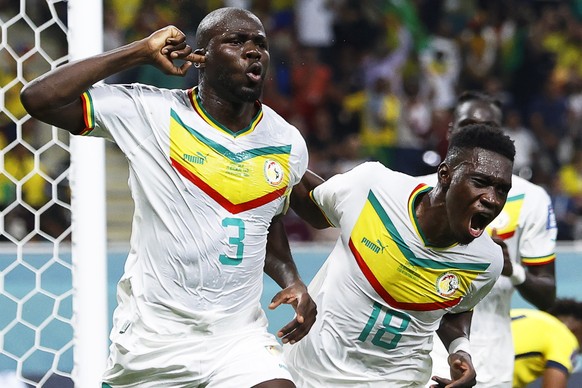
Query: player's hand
(305, 312)
(462, 372)
(167, 45)
(507, 264)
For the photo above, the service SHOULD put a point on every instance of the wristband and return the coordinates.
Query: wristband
(518, 275)
(460, 343)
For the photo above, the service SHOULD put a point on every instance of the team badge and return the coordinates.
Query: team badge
(447, 284)
(273, 172)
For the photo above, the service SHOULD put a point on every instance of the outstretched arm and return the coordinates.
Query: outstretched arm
(454, 332)
(303, 204)
(54, 96)
(279, 265)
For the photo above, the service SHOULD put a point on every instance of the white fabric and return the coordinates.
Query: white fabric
(491, 341)
(175, 287)
(358, 337)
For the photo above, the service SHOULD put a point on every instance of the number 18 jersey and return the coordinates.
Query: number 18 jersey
(383, 289)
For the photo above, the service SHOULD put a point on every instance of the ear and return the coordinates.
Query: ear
(201, 52)
(444, 175)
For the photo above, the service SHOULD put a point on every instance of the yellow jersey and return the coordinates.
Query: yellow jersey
(541, 341)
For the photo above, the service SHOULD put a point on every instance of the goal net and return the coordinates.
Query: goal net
(47, 284)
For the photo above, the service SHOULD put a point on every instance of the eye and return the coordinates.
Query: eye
(480, 182)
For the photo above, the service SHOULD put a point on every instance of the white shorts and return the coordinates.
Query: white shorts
(237, 359)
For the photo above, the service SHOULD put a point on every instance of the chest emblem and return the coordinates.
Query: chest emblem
(447, 284)
(273, 172)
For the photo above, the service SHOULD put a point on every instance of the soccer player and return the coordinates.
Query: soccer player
(211, 168)
(408, 255)
(526, 228)
(546, 344)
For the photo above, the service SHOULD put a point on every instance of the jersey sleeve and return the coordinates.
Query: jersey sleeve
(331, 195)
(120, 113)
(538, 241)
(562, 350)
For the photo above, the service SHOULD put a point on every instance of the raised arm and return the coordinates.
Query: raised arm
(279, 265)
(454, 331)
(54, 96)
(303, 204)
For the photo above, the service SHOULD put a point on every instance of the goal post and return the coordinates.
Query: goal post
(88, 214)
(53, 245)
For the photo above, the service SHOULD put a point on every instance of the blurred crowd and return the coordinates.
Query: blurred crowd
(377, 80)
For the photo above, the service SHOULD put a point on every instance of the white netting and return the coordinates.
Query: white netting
(36, 336)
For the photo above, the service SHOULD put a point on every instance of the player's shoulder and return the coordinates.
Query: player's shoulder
(378, 173)
(430, 179)
(279, 127)
(523, 187)
(484, 248)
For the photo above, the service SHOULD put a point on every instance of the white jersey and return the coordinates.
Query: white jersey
(204, 199)
(383, 289)
(528, 228)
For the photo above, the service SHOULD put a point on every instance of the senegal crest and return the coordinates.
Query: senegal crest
(273, 172)
(447, 284)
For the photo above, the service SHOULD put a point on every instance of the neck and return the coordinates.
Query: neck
(235, 116)
(431, 213)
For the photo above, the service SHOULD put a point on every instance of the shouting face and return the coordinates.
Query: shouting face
(477, 189)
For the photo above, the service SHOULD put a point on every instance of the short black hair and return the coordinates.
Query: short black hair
(475, 95)
(483, 136)
(566, 307)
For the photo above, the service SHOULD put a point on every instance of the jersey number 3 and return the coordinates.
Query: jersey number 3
(236, 241)
(394, 323)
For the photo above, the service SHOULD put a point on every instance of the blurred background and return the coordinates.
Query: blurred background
(361, 79)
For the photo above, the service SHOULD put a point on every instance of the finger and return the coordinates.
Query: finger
(169, 49)
(174, 40)
(184, 68)
(282, 298)
(192, 57)
(297, 334)
(287, 329)
(277, 299)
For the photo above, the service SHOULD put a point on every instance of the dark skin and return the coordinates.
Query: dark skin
(539, 287)
(234, 58)
(454, 326)
(477, 184)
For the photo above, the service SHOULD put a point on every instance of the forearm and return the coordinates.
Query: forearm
(454, 326)
(279, 264)
(303, 204)
(66, 83)
(540, 290)
(536, 284)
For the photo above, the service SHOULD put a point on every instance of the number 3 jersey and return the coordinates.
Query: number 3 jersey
(204, 199)
(383, 290)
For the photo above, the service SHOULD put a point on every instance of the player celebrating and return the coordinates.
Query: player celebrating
(408, 255)
(210, 168)
(527, 229)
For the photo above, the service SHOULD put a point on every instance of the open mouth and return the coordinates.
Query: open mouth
(255, 72)
(478, 223)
